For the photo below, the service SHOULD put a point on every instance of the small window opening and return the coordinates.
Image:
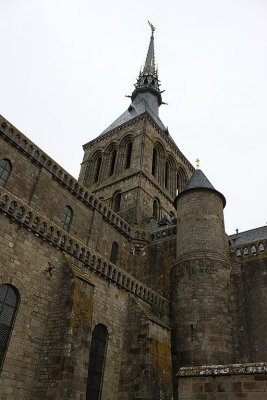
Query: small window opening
(145, 81)
(154, 162)
(66, 218)
(97, 169)
(112, 162)
(114, 253)
(117, 202)
(5, 169)
(167, 175)
(128, 155)
(156, 209)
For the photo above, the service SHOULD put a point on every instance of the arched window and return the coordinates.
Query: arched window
(154, 162)
(116, 202)
(97, 169)
(66, 218)
(167, 175)
(9, 299)
(156, 209)
(181, 180)
(5, 169)
(114, 253)
(128, 155)
(112, 162)
(96, 365)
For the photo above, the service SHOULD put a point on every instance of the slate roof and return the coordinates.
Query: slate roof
(134, 110)
(200, 181)
(250, 236)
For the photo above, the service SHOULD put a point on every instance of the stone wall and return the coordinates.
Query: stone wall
(223, 382)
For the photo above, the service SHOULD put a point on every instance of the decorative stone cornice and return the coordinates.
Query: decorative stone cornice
(36, 223)
(35, 154)
(228, 369)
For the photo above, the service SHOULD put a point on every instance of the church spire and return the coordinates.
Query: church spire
(148, 78)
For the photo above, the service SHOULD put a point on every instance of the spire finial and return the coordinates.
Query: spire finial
(148, 81)
(152, 27)
(197, 163)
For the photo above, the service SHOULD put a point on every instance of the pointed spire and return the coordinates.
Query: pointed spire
(148, 78)
(149, 67)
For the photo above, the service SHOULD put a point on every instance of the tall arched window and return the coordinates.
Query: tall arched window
(167, 175)
(96, 365)
(154, 162)
(66, 218)
(9, 300)
(116, 202)
(97, 169)
(112, 162)
(181, 179)
(128, 155)
(156, 209)
(114, 253)
(5, 169)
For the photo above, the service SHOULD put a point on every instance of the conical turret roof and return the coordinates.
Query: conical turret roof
(199, 181)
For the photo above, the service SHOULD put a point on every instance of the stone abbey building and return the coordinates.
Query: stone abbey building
(123, 284)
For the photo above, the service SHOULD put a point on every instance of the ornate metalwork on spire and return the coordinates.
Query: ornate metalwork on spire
(148, 78)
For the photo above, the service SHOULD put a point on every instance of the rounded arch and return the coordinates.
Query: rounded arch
(111, 158)
(14, 281)
(94, 167)
(66, 218)
(125, 151)
(169, 177)
(181, 179)
(97, 360)
(157, 157)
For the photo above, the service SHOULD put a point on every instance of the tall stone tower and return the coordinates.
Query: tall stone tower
(134, 166)
(201, 278)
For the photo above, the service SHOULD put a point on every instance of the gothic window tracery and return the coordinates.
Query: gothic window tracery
(5, 170)
(9, 300)
(66, 218)
(97, 360)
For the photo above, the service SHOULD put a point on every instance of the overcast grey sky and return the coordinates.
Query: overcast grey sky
(66, 66)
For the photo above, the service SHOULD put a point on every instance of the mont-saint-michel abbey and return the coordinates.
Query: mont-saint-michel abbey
(123, 284)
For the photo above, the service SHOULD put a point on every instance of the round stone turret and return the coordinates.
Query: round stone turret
(201, 277)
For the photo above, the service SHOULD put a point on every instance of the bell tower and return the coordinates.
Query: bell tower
(134, 166)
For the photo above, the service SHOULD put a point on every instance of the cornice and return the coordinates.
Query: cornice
(44, 229)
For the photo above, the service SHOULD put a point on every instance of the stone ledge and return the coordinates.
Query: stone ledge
(227, 369)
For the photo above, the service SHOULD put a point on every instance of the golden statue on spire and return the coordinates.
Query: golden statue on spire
(152, 27)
